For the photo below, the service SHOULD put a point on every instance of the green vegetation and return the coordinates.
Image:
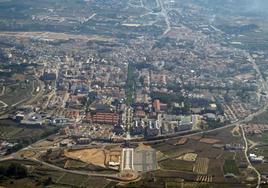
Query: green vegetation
(230, 167)
(42, 176)
(167, 97)
(91, 97)
(16, 170)
(130, 84)
(214, 124)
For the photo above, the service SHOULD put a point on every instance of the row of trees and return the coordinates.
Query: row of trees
(130, 84)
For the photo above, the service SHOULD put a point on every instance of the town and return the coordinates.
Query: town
(111, 83)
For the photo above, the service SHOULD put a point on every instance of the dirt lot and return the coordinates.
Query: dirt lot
(236, 131)
(181, 141)
(188, 157)
(91, 156)
(53, 35)
(209, 140)
(26, 153)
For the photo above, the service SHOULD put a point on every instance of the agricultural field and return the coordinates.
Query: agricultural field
(13, 93)
(230, 167)
(215, 169)
(16, 183)
(171, 179)
(262, 167)
(201, 166)
(179, 165)
(203, 158)
(71, 179)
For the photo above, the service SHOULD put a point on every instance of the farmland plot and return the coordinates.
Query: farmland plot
(201, 166)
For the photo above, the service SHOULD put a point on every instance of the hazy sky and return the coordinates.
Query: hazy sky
(256, 5)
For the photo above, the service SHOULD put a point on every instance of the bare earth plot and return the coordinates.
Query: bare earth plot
(53, 35)
(188, 157)
(90, 156)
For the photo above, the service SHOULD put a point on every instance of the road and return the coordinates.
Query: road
(248, 161)
(115, 177)
(165, 14)
(3, 91)
(35, 97)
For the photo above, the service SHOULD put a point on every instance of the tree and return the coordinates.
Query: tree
(48, 181)
(17, 170)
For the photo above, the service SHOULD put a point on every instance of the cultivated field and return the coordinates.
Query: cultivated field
(230, 167)
(174, 164)
(201, 166)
